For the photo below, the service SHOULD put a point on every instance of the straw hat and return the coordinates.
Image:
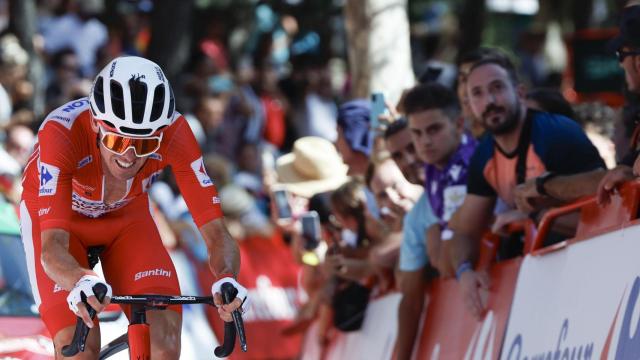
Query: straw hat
(314, 166)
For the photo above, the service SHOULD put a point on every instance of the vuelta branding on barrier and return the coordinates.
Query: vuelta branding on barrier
(580, 302)
(628, 343)
(562, 350)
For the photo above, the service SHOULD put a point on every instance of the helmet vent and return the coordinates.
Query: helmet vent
(117, 99)
(98, 94)
(109, 124)
(132, 131)
(172, 104)
(138, 98)
(158, 102)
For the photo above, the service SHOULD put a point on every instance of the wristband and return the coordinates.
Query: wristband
(542, 180)
(465, 266)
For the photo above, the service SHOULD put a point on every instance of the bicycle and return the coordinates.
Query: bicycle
(137, 337)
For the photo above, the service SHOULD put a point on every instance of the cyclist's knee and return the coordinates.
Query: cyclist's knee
(92, 345)
(165, 334)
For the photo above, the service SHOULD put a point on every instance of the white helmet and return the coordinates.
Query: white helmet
(132, 95)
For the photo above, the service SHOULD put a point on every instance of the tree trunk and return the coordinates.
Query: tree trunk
(170, 35)
(22, 22)
(379, 50)
(471, 22)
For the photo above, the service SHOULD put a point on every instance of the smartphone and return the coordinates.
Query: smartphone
(282, 204)
(378, 107)
(311, 230)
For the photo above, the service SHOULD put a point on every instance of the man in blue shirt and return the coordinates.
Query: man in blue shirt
(540, 151)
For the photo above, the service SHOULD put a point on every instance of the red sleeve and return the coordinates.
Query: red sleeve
(55, 171)
(197, 188)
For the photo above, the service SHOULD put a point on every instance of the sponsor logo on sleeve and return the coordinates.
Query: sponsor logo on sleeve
(201, 173)
(216, 200)
(147, 182)
(44, 211)
(72, 106)
(86, 160)
(48, 179)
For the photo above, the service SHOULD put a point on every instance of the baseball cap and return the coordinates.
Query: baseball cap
(353, 118)
(629, 27)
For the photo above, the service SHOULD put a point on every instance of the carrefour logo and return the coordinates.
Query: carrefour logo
(201, 173)
(48, 179)
(629, 336)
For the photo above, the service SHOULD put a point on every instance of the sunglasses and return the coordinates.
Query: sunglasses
(621, 54)
(119, 144)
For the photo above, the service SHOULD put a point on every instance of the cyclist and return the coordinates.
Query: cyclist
(86, 185)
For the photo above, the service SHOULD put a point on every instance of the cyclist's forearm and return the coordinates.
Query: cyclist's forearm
(224, 254)
(58, 264)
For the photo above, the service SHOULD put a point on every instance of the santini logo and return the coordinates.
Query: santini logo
(156, 272)
(563, 348)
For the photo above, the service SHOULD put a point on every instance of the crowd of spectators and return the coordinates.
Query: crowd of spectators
(395, 206)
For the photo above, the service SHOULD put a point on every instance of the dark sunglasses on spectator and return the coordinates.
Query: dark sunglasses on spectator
(621, 54)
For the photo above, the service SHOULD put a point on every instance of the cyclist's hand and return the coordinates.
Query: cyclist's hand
(85, 285)
(610, 182)
(241, 301)
(475, 290)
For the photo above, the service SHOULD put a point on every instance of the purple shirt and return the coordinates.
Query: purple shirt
(447, 188)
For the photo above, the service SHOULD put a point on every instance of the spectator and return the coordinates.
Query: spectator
(313, 166)
(209, 110)
(400, 146)
(416, 252)
(66, 84)
(524, 147)
(438, 134)
(627, 46)
(19, 143)
(354, 141)
(80, 30)
(464, 64)
(13, 76)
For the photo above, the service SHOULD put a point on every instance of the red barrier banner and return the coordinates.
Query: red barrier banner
(451, 332)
